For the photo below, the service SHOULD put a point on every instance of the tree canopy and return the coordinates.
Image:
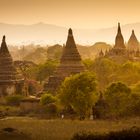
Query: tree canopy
(78, 91)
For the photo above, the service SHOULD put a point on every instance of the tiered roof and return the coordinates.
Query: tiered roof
(70, 62)
(7, 69)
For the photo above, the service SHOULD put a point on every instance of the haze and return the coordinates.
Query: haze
(70, 13)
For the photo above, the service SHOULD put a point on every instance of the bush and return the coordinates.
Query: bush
(129, 134)
(47, 99)
(14, 99)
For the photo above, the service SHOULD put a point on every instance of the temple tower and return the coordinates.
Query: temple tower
(101, 53)
(119, 48)
(119, 41)
(119, 52)
(9, 80)
(70, 63)
(133, 43)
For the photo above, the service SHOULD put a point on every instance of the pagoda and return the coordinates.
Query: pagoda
(70, 63)
(119, 41)
(101, 53)
(10, 81)
(133, 43)
(119, 47)
(119, 52)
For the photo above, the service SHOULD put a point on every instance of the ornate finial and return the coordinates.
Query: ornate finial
(70, 31)
(3, 39)
(119, 28)
(133, 32)
(118, 24)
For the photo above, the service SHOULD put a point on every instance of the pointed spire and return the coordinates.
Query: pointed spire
(70, 32)
(4, 48)
(70, 51)
(3, 39)
(119, 41)
(119, 28)
(101, 54)
(133, 32)
(70, 39)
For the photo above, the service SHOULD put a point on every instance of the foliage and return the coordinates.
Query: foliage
(47, 99)
(129, 73)
(104, 69)
(14, 99)
(54, 52)
(133, 104)
(117, 95)
(131, 134)
(78, 91)
(38, 55)
(88, 63)
(9, 111)
(42, 71)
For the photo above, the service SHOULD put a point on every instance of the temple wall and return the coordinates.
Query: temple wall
(11, 90)
(30, 105)
(7, 90)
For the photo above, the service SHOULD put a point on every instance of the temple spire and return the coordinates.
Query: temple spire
(119, 41)
(133, 43)
(4, 48)
(70, 63)
(70, 51)
(70, 39)
(101, 54)
(119, 28)
(3, 39)
(70, 32)
(133, 32)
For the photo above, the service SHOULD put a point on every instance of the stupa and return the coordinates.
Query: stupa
(133, 43)
(10, 81)
(70, 63)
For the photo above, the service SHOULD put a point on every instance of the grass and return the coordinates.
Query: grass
(64, 129)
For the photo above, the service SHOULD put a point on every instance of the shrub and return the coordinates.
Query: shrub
(47, 99)
(129, 134)
(14, 99)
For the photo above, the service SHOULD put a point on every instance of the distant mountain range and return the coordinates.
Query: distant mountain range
(42, 33)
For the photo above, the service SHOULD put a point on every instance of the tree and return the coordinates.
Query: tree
(42, 71)
(117, 97)
(104, 69)
(78, 92)
(129, 73)
(88, 63)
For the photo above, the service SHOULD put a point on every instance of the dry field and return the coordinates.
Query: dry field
(64, 129)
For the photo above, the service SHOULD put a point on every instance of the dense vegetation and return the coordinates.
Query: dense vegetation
(130, 134)
(107, 89)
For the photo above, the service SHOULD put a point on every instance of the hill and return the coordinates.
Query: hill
(42, 33)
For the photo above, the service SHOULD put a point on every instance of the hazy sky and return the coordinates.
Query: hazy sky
(74, 13)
